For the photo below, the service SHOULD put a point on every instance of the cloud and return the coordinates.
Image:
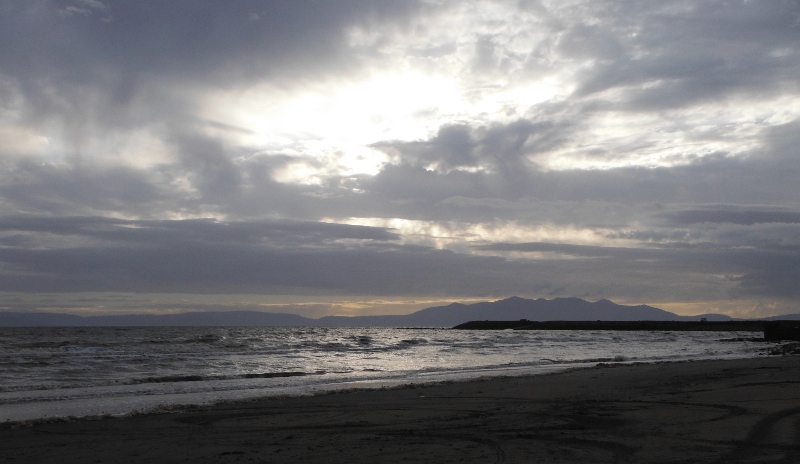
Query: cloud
(207, 256)
(777, 278)
(151, 66)
(101, 254)
(185, 38)
(66, 189)
(590, 148)
(157, 232)
(696, 52)
(743, 217)
(496, 148)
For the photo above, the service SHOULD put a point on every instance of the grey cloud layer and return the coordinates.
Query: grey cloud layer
(701, 51)
(125, 43)
(101, 254)
(96, 69)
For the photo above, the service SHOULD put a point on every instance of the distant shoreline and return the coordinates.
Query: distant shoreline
(509, 309)
(698, 326)
(772, 330)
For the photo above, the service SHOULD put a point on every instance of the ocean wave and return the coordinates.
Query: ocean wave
(66, 363)
(204, 338)
(413, 341)
(202, 378)
(361, 339)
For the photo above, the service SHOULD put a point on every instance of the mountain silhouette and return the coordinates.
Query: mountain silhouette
(514, 308)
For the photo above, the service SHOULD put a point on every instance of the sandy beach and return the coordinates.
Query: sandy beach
(708, 411)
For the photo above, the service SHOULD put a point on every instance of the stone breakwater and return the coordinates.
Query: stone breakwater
(699, 326)
(773, 330)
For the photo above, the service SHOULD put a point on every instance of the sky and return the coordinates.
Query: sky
(381, 156)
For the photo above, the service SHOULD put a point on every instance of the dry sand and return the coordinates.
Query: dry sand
(708, 412)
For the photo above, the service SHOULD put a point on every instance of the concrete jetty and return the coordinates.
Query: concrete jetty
(773, 330)
(711, 326)
(782, 330)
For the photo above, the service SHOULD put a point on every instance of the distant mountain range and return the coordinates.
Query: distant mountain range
(514, 308)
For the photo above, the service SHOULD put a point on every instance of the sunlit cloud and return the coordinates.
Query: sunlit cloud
(462, 236)
(672, 137)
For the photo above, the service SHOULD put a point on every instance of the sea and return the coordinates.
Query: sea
(97, 371)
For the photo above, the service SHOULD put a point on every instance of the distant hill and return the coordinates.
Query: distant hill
(785, 317)
(221, 319)
(564, 309)
(514, 308)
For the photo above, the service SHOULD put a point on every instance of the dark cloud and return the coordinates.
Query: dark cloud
(181, 38)
(70, 189)
(777, 278)
(590, 41)
(783, 143)
(763, 268)
(158, 233)
(743, 217)
(207, 256)
(697, 52)
(709, 180)
(209, 167)
(96, 254)
(498, 147)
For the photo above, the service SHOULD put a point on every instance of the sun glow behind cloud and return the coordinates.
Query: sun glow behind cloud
(478, 64)
(463, 65)
(330, 127)
(672, 138)
(461, 236)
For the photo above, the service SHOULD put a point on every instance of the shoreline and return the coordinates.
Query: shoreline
(178, 408)
(684, 411)
(147, 403)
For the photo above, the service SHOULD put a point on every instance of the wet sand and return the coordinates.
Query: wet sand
(706, 412)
